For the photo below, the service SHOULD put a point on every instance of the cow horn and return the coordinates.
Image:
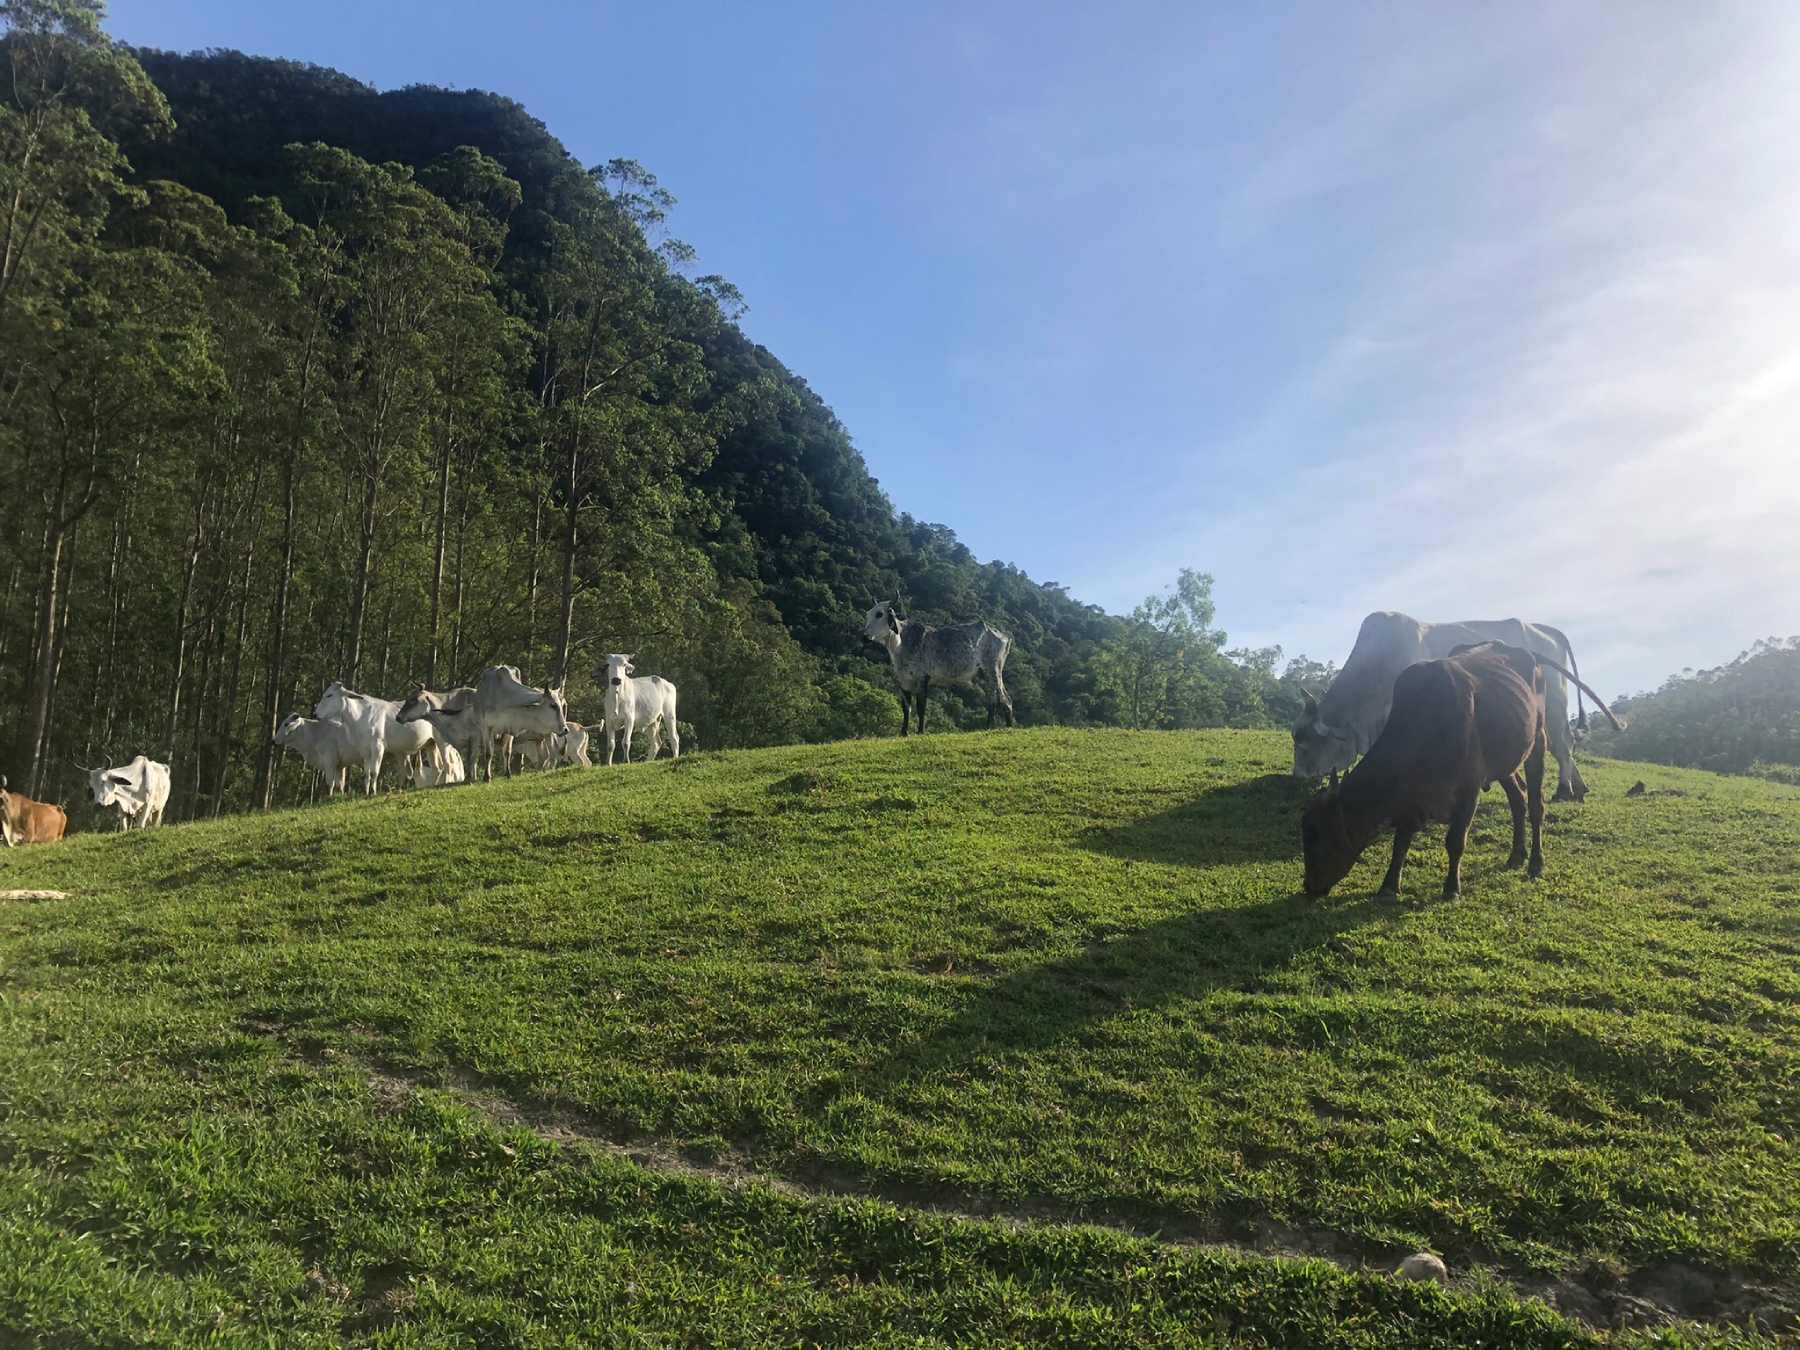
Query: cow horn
(1312, 704)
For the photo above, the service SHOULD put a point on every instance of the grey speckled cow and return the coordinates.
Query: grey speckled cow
(955, 655)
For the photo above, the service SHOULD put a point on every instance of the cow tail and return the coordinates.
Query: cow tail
(1569, 653)
(1548, 664)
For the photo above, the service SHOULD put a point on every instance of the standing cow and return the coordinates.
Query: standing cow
(633, 700)
(954, 655)
(138, 791)
(24, 821)
(1334, 730)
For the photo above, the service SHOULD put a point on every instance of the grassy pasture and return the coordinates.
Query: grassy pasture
(249, 1071)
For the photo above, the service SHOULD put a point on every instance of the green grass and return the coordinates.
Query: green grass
(1045, 975)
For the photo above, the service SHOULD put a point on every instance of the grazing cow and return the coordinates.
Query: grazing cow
(24, 821)
(326, 745)
(1458, 724)
(631, 699)
(138, 791)
(953, 655)
(1333, 731)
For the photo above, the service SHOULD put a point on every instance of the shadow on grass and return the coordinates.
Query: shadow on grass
(1244, 822)
(1185, 956)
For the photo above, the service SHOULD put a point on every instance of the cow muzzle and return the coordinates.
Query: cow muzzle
(617, 682)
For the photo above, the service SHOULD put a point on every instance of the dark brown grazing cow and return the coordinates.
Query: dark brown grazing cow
(1458, 724)
(23, 821)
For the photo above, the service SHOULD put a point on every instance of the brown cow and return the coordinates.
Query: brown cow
(23, 821)
(1458, 724)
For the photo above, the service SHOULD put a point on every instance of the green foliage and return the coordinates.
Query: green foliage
(1743, 717)
(386, 387)
(1048, 973)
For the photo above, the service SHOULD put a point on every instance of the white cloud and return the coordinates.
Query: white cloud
(1575, 401)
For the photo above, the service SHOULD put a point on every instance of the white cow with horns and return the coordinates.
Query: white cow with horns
(631, 700)
(1334, 730)
(138, 791)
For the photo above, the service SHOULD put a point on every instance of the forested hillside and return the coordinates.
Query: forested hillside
(305, 380)
(1741, 717)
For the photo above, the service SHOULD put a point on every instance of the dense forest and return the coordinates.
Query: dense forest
(1742, 717)
(304, 380)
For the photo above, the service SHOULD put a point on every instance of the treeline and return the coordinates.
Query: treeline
(1742, 717)
(302, 381)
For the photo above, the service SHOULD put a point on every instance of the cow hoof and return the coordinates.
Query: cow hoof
(1536, 869)
(1516, 861)
(1387, 893)
(1452, 892)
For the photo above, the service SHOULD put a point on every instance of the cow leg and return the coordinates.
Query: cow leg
(1001, 699)
(674, 740)
(905, 712)
(655, 737)
(1534, 793)
(1456, 838)
(1514, 787)
(923, 694)
(1390, 885)
(625, 738)
(1569, 786)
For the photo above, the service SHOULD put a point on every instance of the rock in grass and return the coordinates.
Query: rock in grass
(1423, 1266)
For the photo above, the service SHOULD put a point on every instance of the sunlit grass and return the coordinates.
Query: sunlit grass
(1055, 969)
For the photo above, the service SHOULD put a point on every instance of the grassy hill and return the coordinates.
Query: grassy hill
(846, 1043)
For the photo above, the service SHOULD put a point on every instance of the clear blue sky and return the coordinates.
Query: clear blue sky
(1470, 311)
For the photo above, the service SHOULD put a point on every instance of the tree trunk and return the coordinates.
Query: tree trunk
(263, 792)
(571, 536)
(173, 714)
(365, 556)
(42, 671)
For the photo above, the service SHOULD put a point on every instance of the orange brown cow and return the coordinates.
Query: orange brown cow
(24, 821)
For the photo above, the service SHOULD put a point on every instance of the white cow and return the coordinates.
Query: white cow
(456, 730)
(139, 791)
(630, 699)
(325, 746)
(364, 722)
(364, 715)
(1334, 730)
(504, 706)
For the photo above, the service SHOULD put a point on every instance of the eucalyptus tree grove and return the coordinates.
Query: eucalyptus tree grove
(299, 380)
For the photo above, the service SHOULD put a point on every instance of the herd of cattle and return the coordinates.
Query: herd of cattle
(443, 737)
(1437, 713)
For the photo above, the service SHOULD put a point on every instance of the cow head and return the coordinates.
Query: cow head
(1325, 843)
(414, 708)
(1319, 747)
(289, 725)
(554, 697)
(111, 788)
(331, 702)
(882, 624)
(618, 670)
